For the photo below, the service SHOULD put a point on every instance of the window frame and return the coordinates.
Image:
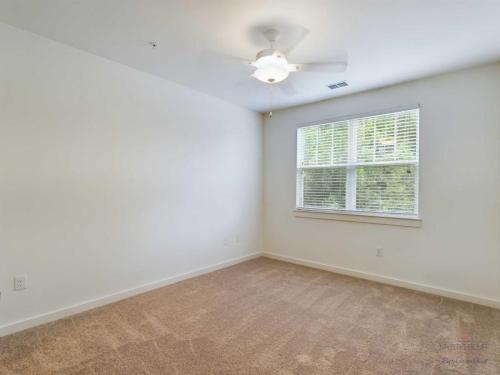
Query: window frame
(378, 217)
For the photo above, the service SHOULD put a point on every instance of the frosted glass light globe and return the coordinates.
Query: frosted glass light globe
(271, 73)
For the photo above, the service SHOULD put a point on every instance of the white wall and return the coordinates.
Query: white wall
(111, 178)
(458, 245)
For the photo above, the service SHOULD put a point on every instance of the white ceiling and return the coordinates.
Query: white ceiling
(386, 41)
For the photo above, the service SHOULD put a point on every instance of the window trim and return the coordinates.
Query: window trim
(359, 115)
(414, 221)
(362, 216)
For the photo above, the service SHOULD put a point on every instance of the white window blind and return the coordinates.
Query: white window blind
(367, 164)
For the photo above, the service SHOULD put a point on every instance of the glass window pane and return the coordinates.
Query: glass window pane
(387, 137)
(324, 188)
(389, 189)
(322, 145)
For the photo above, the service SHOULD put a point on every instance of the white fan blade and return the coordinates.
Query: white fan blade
(287, 88)
(302, 33)
(245, 82)
(213, 58)
(294, 67)
(339, 66)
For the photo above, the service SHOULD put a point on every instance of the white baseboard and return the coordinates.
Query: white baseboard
(389, 280)
(20, 325)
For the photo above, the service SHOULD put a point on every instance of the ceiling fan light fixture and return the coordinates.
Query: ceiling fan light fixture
(271, 73)
(270, 57)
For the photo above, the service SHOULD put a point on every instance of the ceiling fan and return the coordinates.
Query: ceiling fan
(272, 65)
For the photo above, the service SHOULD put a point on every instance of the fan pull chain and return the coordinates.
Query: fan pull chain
(270, 114)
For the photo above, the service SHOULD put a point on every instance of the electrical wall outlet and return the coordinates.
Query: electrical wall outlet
(232, 240)
(379, 252)
(20, 282)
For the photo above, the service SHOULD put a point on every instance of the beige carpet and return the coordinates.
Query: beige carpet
(265, 317)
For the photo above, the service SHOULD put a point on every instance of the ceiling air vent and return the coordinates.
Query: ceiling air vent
(338, 85)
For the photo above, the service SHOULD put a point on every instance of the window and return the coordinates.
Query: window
(367, 164)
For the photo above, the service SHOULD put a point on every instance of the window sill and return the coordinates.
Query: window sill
(360, 217)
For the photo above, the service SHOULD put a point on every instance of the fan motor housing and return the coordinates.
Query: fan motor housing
(276, 54)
